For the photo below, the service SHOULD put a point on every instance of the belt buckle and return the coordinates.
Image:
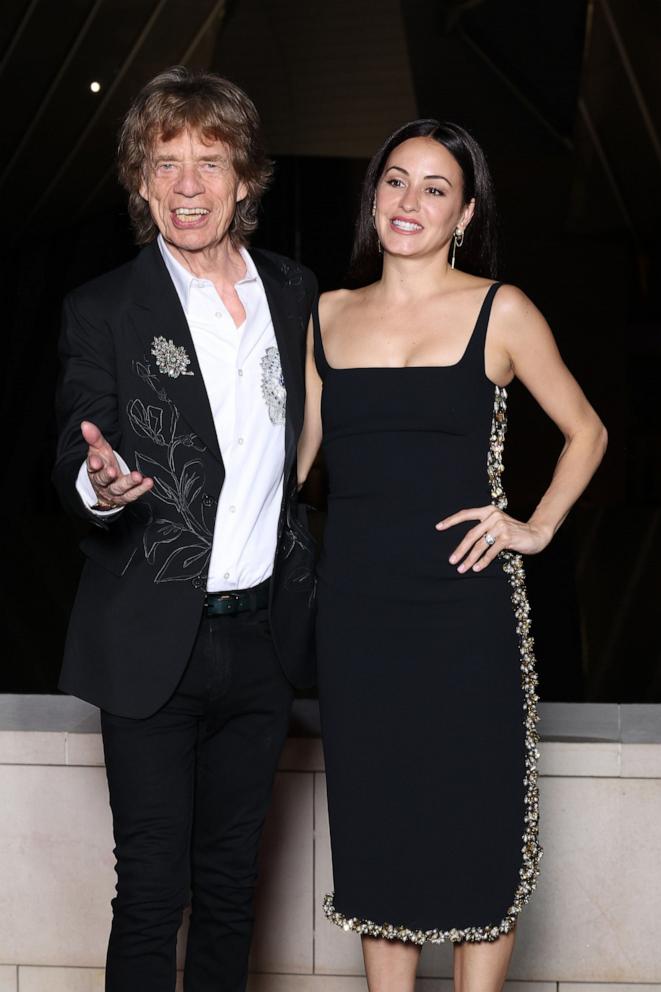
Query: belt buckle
(230, 595)
(233, 599)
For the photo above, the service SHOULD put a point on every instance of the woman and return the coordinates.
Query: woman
(426, 671)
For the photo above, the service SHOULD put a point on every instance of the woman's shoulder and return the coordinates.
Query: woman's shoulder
(511, 304)
(470, 290)
(511, 310)
(334, 296)
(336, 300)
(515, 320)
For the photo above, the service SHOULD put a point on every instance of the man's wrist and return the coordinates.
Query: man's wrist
(102, 507)
(91, 499)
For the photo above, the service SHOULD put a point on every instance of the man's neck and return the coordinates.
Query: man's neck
(222, 263)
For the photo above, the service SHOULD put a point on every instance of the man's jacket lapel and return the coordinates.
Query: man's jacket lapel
(157, 312)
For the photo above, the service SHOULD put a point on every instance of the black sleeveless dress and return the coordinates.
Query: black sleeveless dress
(426, 676)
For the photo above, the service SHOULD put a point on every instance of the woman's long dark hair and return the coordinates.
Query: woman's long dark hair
(479, 250)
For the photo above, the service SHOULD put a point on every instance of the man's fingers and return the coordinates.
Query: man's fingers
(137, 491)
(126, 489)
(109, 483)
(102, 476)
(102, 465)
(123, 483)
(93, 435)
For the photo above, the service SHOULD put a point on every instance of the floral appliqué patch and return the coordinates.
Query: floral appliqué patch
(273, 385)
(170, 359)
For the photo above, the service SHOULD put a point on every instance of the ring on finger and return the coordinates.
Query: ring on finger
(489, 539)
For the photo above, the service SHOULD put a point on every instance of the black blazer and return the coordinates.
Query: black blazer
(141, 593)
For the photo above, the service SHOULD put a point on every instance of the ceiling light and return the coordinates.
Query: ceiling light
(95, 87)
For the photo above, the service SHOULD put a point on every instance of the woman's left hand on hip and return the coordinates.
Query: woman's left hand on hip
(495, 531)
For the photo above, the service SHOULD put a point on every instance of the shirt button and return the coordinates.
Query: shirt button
(232, 509)
(198, 582)
(240, 371)
(226, 575)
(240, 441)
(218, 314)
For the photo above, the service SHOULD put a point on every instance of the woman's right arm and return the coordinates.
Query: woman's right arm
(310, 439)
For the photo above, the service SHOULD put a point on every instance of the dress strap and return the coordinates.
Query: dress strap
(319, 354)
(479, 336)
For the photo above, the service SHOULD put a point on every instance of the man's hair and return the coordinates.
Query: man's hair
(218, 110)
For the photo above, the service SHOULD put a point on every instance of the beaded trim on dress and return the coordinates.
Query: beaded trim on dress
(531, 851)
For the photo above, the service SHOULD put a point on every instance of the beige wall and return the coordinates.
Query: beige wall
(593, 925)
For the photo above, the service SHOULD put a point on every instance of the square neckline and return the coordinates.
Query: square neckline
(488, 296)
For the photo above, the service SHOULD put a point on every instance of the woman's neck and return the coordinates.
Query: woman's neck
(405, 279)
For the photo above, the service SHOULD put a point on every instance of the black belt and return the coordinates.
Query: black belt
(221, 604)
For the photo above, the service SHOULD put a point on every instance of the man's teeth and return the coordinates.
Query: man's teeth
(406, 225)
(190, 211)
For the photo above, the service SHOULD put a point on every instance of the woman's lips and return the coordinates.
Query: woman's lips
(404, 226)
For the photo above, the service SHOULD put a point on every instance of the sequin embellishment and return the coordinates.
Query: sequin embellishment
(273, 385)
(170, 359)
(531, 851)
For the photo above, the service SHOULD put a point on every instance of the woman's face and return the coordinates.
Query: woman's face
(419, 199)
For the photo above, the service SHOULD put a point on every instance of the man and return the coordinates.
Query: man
(180, 404)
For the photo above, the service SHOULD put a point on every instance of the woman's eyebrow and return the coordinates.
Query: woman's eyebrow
(405, 171)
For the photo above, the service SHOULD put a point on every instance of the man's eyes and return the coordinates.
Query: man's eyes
(170, 166)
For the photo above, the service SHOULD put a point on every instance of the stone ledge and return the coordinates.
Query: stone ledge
(578, 739)
(591, 722)
(568, 759)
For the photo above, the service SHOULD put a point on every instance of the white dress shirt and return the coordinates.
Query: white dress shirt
(238, 365)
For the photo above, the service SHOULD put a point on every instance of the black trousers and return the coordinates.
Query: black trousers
(189, 789)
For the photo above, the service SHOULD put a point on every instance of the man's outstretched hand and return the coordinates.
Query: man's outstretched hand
(112, 486)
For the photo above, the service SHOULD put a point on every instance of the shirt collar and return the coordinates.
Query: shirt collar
(183, 279)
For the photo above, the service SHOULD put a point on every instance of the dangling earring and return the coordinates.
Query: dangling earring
(376, 233)
(457, 242)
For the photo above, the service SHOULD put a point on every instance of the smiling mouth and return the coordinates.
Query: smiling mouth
(190, 215)
(408, 226)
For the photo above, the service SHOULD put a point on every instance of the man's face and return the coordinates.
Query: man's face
(192, 190)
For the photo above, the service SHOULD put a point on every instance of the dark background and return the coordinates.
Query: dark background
(565, 98)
